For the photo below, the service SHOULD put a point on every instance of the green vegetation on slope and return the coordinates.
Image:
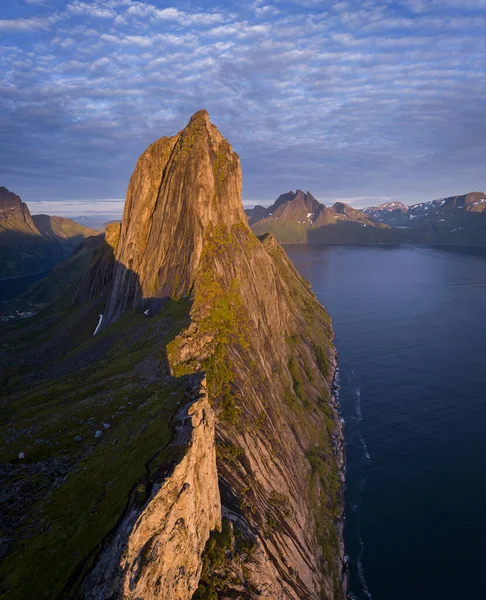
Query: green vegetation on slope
(228, 346)
(71, 488)
(222, 319)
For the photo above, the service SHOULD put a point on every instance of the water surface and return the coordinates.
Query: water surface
(410, 327)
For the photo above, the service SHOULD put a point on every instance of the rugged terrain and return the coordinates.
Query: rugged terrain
(297, 217)
(192, 447)
(31, 244)
(456, 220)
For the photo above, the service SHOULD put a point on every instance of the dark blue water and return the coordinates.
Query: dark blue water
(410, 329)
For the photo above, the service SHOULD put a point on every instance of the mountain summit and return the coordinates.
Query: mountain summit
(181, 186)
(15, 214)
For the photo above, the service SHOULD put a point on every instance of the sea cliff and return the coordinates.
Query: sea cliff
(217, 470)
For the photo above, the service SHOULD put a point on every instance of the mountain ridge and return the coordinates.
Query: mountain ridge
(399, 214)
(297, 217)
(218, 340)
(455, 220)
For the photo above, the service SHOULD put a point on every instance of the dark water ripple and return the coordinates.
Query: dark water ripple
(410, 328)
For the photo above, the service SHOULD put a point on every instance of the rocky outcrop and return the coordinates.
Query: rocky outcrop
(156, 551)
(180, 185)
(15, 214)
(265, 344)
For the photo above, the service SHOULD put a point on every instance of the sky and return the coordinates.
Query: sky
(359, 101)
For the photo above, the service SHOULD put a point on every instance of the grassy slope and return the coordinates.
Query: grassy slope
(66, 496)
(62, 228)
(285, 232)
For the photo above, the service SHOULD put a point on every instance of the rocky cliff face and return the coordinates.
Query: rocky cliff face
(140, 481)
(156, 551)
(180, 186)
(264, 343)
(15, 214)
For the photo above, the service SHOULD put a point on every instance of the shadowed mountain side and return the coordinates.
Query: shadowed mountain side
(24, 253)
(62, 383)
(61, 282)
(31, 245)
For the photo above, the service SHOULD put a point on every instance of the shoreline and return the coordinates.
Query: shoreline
(372, 244)
(340, 457)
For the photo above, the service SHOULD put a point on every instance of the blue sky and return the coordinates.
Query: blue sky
(360, 101)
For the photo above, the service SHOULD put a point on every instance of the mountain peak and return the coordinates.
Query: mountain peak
(9, 200)
(16, 212)
(181, 187)
(199, 117)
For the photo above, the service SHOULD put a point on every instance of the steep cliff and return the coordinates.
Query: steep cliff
(265, 345)
(217, 467)
(180, 186)
(156, 552)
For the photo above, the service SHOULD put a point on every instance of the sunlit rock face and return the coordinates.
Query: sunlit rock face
(180, 186)
(256, 332)
(157, 553)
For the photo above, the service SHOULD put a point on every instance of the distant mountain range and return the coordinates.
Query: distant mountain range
(95, 221)
(31, 244)
(299, 217)
(398, 214)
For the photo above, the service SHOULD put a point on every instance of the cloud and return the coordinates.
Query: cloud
(348, 99)
(91, 10)
(27, 24)
(78, 207)
(148, 11)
